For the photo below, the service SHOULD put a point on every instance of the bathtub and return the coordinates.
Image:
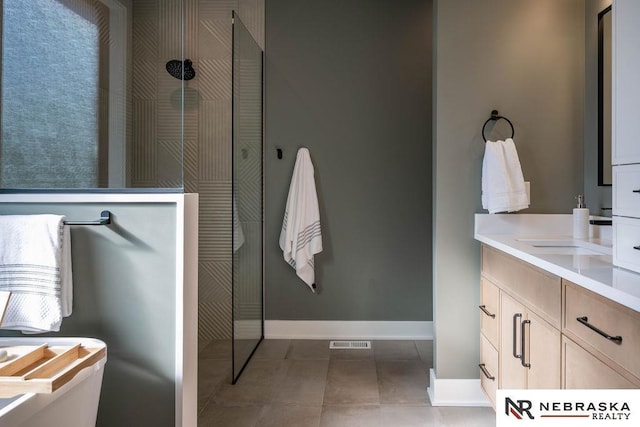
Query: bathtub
(75, 404)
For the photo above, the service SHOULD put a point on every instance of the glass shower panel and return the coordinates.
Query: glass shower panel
(247, 196)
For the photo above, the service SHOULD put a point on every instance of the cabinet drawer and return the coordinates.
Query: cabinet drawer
(610, 319)
(489, 310)
(536, 288)
(626, 180)
(585, 371)
(488, 369)
(626, 235)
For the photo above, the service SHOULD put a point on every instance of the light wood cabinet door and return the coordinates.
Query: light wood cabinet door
(542, 353)
(582, 370)
(529, 350)
(512, 373)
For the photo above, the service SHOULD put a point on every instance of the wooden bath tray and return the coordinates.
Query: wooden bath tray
(43, 368)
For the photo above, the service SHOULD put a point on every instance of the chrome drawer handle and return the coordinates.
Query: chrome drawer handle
(523, 344)
(585, 321)
(486, 373)
(484, 309)
(515, 335)
(636, 191)
(637, 248)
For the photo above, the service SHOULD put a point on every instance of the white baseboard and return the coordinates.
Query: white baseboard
(343, 330)
(464, 392)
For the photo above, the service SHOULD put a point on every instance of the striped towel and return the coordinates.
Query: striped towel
(35, 266)
(301, 237)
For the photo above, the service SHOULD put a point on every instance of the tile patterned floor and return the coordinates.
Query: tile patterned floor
(300, 383)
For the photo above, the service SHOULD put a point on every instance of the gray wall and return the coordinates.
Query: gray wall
(351, 81)
(526, 59)
(124, 294)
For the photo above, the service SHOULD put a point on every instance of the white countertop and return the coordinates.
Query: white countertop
(544, 240)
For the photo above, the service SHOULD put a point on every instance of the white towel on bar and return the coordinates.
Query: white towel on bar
(301, 236)
(35, 266)
(503, 187)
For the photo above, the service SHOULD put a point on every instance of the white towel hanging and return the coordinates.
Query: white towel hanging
(503, 187)
(35, 266)
(301, 236)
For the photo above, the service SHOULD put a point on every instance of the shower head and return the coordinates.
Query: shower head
(181, 70)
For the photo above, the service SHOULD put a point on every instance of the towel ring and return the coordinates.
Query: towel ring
(495, 117)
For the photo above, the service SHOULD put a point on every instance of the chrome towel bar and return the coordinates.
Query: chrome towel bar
(105, 219)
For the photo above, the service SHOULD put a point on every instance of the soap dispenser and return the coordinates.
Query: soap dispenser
(581, 219)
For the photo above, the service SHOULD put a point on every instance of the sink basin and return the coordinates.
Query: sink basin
(566, 247)
(550, 242)
(565, 250)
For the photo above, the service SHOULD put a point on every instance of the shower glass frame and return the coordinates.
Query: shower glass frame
(247, 224)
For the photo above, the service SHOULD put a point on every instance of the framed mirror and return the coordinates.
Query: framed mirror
(604, 97)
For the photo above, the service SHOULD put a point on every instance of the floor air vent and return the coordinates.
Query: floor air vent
(350, 345)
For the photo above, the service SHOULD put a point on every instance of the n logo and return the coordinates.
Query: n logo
(518, 410)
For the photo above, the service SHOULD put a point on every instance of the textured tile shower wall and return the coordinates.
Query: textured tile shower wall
(207, 128)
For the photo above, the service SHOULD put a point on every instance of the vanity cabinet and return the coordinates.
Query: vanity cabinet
(520, 324)
(548, 333)
(626, 134)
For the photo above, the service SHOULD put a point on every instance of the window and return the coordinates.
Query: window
(54, 94)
